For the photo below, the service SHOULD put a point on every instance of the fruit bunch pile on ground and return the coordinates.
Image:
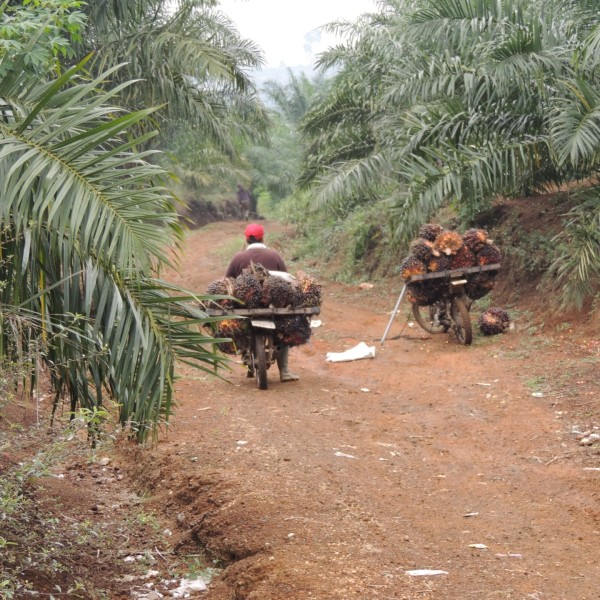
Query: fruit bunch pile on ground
(493, 321)
(256, 287)
(437, 250)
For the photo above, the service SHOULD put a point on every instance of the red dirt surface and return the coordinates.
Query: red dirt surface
(431, 455)
(333, 487)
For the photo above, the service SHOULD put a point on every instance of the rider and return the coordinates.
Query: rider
(243, 197)
(258, 253)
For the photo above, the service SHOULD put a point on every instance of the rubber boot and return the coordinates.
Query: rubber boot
(282, 363)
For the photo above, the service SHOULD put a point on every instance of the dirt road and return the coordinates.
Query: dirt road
(431, 455)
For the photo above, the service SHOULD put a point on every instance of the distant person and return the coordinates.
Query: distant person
(244, 200)
(257, 252)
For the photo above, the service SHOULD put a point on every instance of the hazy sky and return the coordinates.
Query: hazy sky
(282, 28)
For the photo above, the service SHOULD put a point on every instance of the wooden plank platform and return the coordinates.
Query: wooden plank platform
(454, 273)
(262, 312)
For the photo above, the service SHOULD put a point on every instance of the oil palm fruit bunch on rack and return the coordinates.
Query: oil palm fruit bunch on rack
(257, 288)
(437, 250)
(236, 329)
(493, 321)
(489, 255)
(222, 287)
(448, 242)
(412, 266)
(423, 249)
(439, 263)
(248, 289)
(308, 292)
(430, 231)
(476, 239)
(464, 257)
(293, 330)
(479, 285)
(277, 292)
(422, 293)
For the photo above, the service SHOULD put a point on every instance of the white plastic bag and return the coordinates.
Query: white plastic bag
(359, 351)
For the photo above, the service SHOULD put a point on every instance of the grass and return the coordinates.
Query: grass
(198, 566)
(41, 540)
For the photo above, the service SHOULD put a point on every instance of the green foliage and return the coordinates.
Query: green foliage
(275, 165)
(532, 252)
(197, 567)
(85, 227)
(39, 34)
(187, 58)
(436, 103)
(29, 538)
(576, 268)
(354, 247)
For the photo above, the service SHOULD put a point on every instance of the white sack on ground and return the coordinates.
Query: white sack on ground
(359, 351)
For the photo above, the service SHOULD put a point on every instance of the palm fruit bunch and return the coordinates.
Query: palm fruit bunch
(277, 292)
(448, 242)
(439, 263)
(308, 292)
(479, 285)
(423, 252)
(422, 293)
(248, 289)
(488, 255)
(476, 239)
(464, 257)
(222, 287)
(430, 231)
(293, 330)
(437, 250)
(493, 321)
(423, 249)
(412, 266)
(236, 329)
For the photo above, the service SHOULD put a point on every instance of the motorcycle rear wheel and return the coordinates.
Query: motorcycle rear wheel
(428, 317)
(260, 361)
(461, 321)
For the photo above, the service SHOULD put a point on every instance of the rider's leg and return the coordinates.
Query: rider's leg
(282, 363)
(247, 362)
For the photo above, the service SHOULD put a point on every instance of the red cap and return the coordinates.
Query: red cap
(255, 230)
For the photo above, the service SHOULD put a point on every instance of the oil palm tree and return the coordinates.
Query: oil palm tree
(276, 165)
(187, 57)
(85, 228)
(464, 101)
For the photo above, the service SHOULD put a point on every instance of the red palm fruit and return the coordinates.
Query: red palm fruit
(412, 266)
(448, 242)
(423, 249)
(463, 258)
(222, 287)
(430, 231)
(489, 255)
(439, 263)
(475, 239)
(493, 321)
(248, 289)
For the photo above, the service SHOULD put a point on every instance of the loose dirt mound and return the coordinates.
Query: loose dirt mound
(430, 456)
